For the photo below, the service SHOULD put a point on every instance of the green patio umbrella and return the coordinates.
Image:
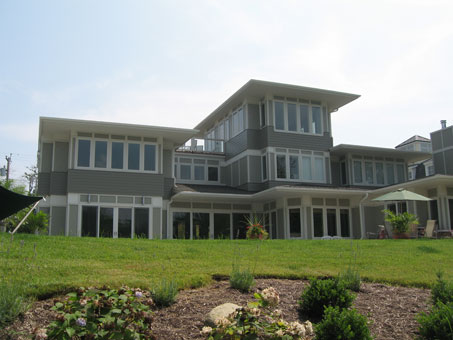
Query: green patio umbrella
(401, 195)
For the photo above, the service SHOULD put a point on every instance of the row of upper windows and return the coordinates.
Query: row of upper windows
(116, 155)
(305, 167)
(369, 172)
(229, 127)
(196, 170)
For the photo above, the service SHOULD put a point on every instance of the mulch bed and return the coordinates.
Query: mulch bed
(392, 310)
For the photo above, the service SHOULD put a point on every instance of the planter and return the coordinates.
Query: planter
(397, 235)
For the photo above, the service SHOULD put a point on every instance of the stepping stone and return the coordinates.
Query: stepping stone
(220, 312)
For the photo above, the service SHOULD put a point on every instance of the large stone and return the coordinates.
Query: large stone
(220, 312)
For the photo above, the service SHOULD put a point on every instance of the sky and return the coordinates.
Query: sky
(171, 63)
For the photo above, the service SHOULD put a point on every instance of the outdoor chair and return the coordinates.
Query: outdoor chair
(414, 231)
(429, 229)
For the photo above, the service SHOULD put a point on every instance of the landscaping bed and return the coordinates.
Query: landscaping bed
(392, 310)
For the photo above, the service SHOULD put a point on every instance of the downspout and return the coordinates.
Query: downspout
(362, 217)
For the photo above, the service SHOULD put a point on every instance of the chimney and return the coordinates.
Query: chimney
(443, 123)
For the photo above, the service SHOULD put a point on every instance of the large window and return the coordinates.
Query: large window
(298, 117)
(181, 225)
(238, 122)
(222, 226)
(197, 170)
(295, 226)
(331, 221)
(304, 166)
(200, 222)
(377, 172)
(281, 166)
(116, 155)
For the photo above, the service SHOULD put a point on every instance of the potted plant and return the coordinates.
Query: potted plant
(255, 229)
(400, 223)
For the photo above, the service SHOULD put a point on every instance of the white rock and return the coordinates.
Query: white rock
(220, 312)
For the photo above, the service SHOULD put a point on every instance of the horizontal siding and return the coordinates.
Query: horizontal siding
(236, 145)
(298, 141)
(168, 186)
(115, 183)
(253, 115)
(58, 221)
(61, 157)
(46, 157)
(168, 171)
(255, 168)
(58, 183)
(43, 183)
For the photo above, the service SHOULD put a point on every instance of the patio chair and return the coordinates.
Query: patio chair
(413, 230)
(429, 229)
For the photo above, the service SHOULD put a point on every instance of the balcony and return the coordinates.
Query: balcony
(203, 146)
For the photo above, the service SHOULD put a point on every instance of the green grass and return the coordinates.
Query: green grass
(63, 263)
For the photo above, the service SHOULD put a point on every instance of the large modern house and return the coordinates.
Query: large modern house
(267, 150)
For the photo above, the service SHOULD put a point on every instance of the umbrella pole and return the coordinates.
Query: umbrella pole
(23, 220)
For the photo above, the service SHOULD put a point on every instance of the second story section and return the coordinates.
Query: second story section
(442, 141)
(264, 114)
(95, 157)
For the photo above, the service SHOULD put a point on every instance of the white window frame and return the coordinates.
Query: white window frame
(192, 166)
(337, 220)
(374, 161)
(302, 153)
(298, 120)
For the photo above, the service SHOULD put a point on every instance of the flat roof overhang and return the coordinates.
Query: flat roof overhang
(408, 156)
(55, 128)
(258, 89)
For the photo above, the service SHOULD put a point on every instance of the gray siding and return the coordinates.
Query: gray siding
(255, 169)
(168, 171)
(228, 178)
(309, 226)
(58, 183)
(298, 141)
(253, 115)
(246, 140)
(328, 170)
(252, 187)
(280, 224)
(448, 155)
(61, 157)
(43, 183)
(243, 166)
(436, 140)
(58, 219)
(46, 157)
(168, 187)
(222, 175)
(115, 183)
(156, 223)
(73, 217)
(235, 174)
(373, 218)
(439, 165)
(356, 233)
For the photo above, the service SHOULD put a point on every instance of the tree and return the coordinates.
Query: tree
(32, 177)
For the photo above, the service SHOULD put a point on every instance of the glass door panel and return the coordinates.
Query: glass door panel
(89, 221)
(332, 222)
(295, 229)
(141, 222)
(124, 222)
(240, 226)
(200, 225)
(181, 225)
(318, 222)
(344, 222)
(106, 222)
(222, 226)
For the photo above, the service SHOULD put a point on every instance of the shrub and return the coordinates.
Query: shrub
(241, 280)
(324, 293)
(164, 293)
(102, 314)
(442, 291)
(12, 303)
(346, 324)
(260, 320)
(351, 279)
(438, 324)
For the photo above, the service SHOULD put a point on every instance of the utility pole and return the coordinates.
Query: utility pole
(8, 162)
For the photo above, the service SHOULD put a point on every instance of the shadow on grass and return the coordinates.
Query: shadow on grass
(428, 249)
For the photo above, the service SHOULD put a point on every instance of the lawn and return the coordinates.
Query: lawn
(52, 265)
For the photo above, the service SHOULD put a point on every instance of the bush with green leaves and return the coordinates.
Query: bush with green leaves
(260, 320)
(442, 290)
(345, 324)
(438, 324)
(12, 302)
(242, 280)
(164, 293)
(351, 279)
(324, 293)
(102, 314)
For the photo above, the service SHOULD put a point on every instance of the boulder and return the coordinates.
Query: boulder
(219, 312)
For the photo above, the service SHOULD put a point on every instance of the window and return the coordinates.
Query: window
(292, 117)
(369, 173)
(264, 167)
(281, 166)
(238, 122)
(316, 119)
(100, 154)
(199, 172)
(185, 171)
(279, 116)
(400, 173)
(262, 114)
(200, 222)
(213, 174)
(390, 173)
(150, 157)
(306, 168)
(141, 222)
(295, 227)
(318, 222)
(124, 222)
(344, 223)
(294, 167)
(319, 174)
(133, 156)
(358, 171)
(379, 173)
(331, 222)
(181, 225)
(83, 154)
(343, 173)
(304, 119)
(117, 155)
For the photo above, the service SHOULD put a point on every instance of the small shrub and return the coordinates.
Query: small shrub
(102, 314)
(241, 280)
(438, 324)
(351, 279)
(12, 303)
(164, 293)
(442, 290)
(346, 324)
(260, 320)
(324, 293)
